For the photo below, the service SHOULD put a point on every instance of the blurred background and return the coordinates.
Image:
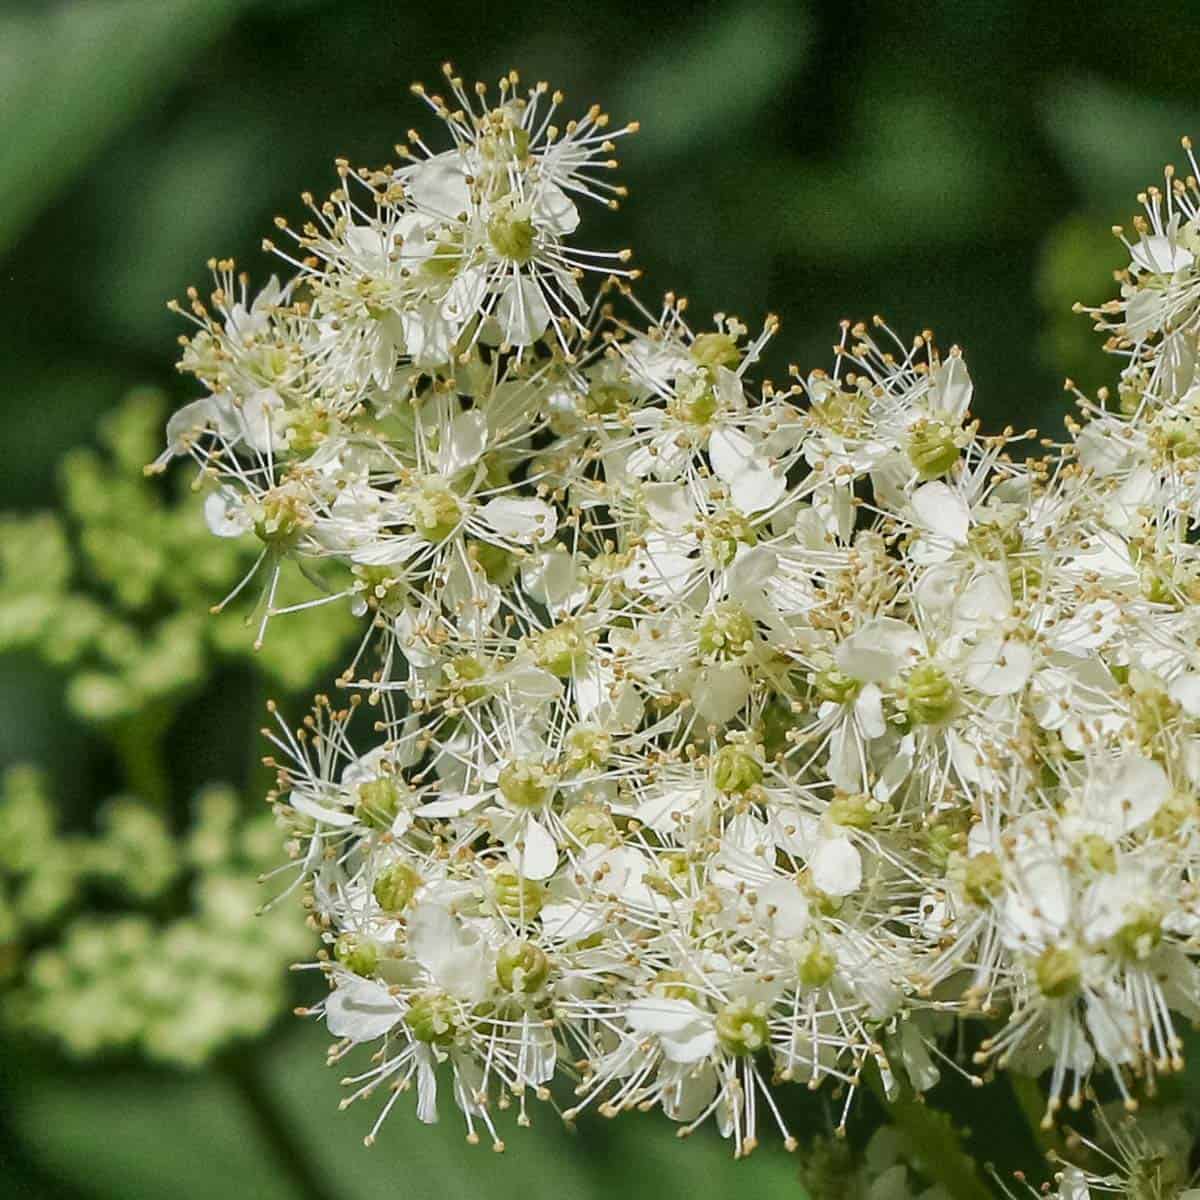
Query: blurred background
(954, 165)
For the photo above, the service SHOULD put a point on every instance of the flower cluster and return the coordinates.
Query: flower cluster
(177, 989)
(1143, 1158)
(707, 734)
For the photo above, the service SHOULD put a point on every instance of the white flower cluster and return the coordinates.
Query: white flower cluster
(724, 734)
(1148, 1157)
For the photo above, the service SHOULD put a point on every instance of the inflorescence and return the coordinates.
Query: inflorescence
(714, 734)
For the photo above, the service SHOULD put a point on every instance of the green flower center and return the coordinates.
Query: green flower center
(736, 769)
(395, 887)
(511, 235)
(983, 877)
(379, 801)
(815, 967)
(930, 695)
(716, 349)
(932, 448)
(591, 825)
(521, 967)
(356, 953)
(694, 402)
(727, 633)
(1057, 972)
(437, 511)
(432, 1017)
(561, 649)
(525, 784)
(742, 1027)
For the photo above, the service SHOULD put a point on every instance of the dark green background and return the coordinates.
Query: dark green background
(954, 165)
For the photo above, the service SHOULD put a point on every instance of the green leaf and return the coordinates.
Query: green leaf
(71, 75)
(722, 71)
(1109, 138)
(915, 175)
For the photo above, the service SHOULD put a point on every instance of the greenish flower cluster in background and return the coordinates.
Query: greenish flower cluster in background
(117, 587)
(174, 959)
(128, 935)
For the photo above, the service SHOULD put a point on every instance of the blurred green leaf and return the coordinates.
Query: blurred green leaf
(916, 174)
(125, 1134)
(71, 75)
(1111, 139)
(721, 72)
(200, 199)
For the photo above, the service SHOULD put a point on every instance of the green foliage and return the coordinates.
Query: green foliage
(101, 62)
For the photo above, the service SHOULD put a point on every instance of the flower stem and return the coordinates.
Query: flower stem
(290, 1152)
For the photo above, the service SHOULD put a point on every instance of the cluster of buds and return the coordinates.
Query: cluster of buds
(715, 734)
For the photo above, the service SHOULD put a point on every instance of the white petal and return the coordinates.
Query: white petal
(553, 210)
(943, 511)
(1137, 790)
(669, 505)
(753, 483)
(522, 312)
(360, 1010)
(465, 442)
(869, 710)
(521, 520)
(836, 868)
(788, 907)
(426, 1089)
(450, 806)
(536, 855)
(757, 489)
(998, 666)
(687, 1034)
(224, 515)
(570, 920)
(719, 692)
(439, 185)
(320, 812)
(1185, 691)
(876, 651)
(845, 765)
(1161, 254)
(952, 388)
(428, 336)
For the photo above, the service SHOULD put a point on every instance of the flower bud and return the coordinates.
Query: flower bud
(514, 896)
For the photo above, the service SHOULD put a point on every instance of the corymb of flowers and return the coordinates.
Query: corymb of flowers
(706, 736)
